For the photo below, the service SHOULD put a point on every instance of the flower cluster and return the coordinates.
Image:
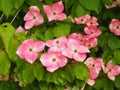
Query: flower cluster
(115, 27)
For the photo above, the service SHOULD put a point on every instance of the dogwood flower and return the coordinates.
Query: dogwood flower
(53, 59)
(29, 49)
(60, 42)
(111, 70)
(83, 19)
(92, 31)
(94, 66)
(92, 21)
(75, 50)
(115, 27)
(55, 12)
(33, 17)
(90, 42)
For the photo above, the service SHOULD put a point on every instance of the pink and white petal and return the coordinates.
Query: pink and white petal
(31, 57)
(39, 20)
(29, 43)
(62, 61)
(91, 82)
(110, 65)
(68, 53)
(117, 32)
(83, 49)
(110, 76)
(38, 46)
(45, 59)
(50, 43)
(34, 9)
(20, 29)
(58, 7)
(20, 51)
(55, 50)
(61, 16)
(52, 68)
(72, 44)
(79, 57)
(29, 24)
(115, 70)
(28, 16)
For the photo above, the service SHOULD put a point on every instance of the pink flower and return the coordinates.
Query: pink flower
(112, 5)
(90, 42)
(94, 66)
(92, 21)
(20, 29)
(33, 17)
(29, 49)
(55, 12)
(83, 19)
(92, 31)
(59, 42)
(53, 59)
(75, 50)
(79, 37)
(111, 70)
(115, 26)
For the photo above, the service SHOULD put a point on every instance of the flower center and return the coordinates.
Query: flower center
(54, 59)
(57, 42)
(54, 13)
(117, 27)
(30, 49)
(34, 17)
(75, 51)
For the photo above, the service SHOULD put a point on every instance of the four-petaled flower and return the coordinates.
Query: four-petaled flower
(33, 17)
(29, 49)
(55, 12)
(111, 70)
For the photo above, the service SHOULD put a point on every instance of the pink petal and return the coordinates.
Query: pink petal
(61, 16)
(83, 49)
(31, 57)
(110, 76)
(39, 20)
(20, 29)
(38, 46)
(58, 7)
(52, 68)
(62, 61)
(91, 82)
(28, 16)
(115, 70)
(79, 57)
(54, 50)
(34, 10)
(45, 59)
(49, 12)
(29, 24)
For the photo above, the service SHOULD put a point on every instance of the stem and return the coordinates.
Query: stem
(15, 16)
(1, 16)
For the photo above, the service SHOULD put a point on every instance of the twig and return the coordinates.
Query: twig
(1, 16)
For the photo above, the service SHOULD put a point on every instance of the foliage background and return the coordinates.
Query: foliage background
(35, 77)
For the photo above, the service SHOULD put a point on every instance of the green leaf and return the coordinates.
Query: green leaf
(117, 56)
(93, 5)
(114, 43)
(48, 35)
(25, 74)
(38, 71)
(117, 81)
(7, 34)
(80, 71)
(4, 63)
(62, 29)
(8, 85)
(43, 86)
(78, 10)
(6, 6)
(18, 3)
(107, 1)
(108, 85)
(68, 4)
(99, 84)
